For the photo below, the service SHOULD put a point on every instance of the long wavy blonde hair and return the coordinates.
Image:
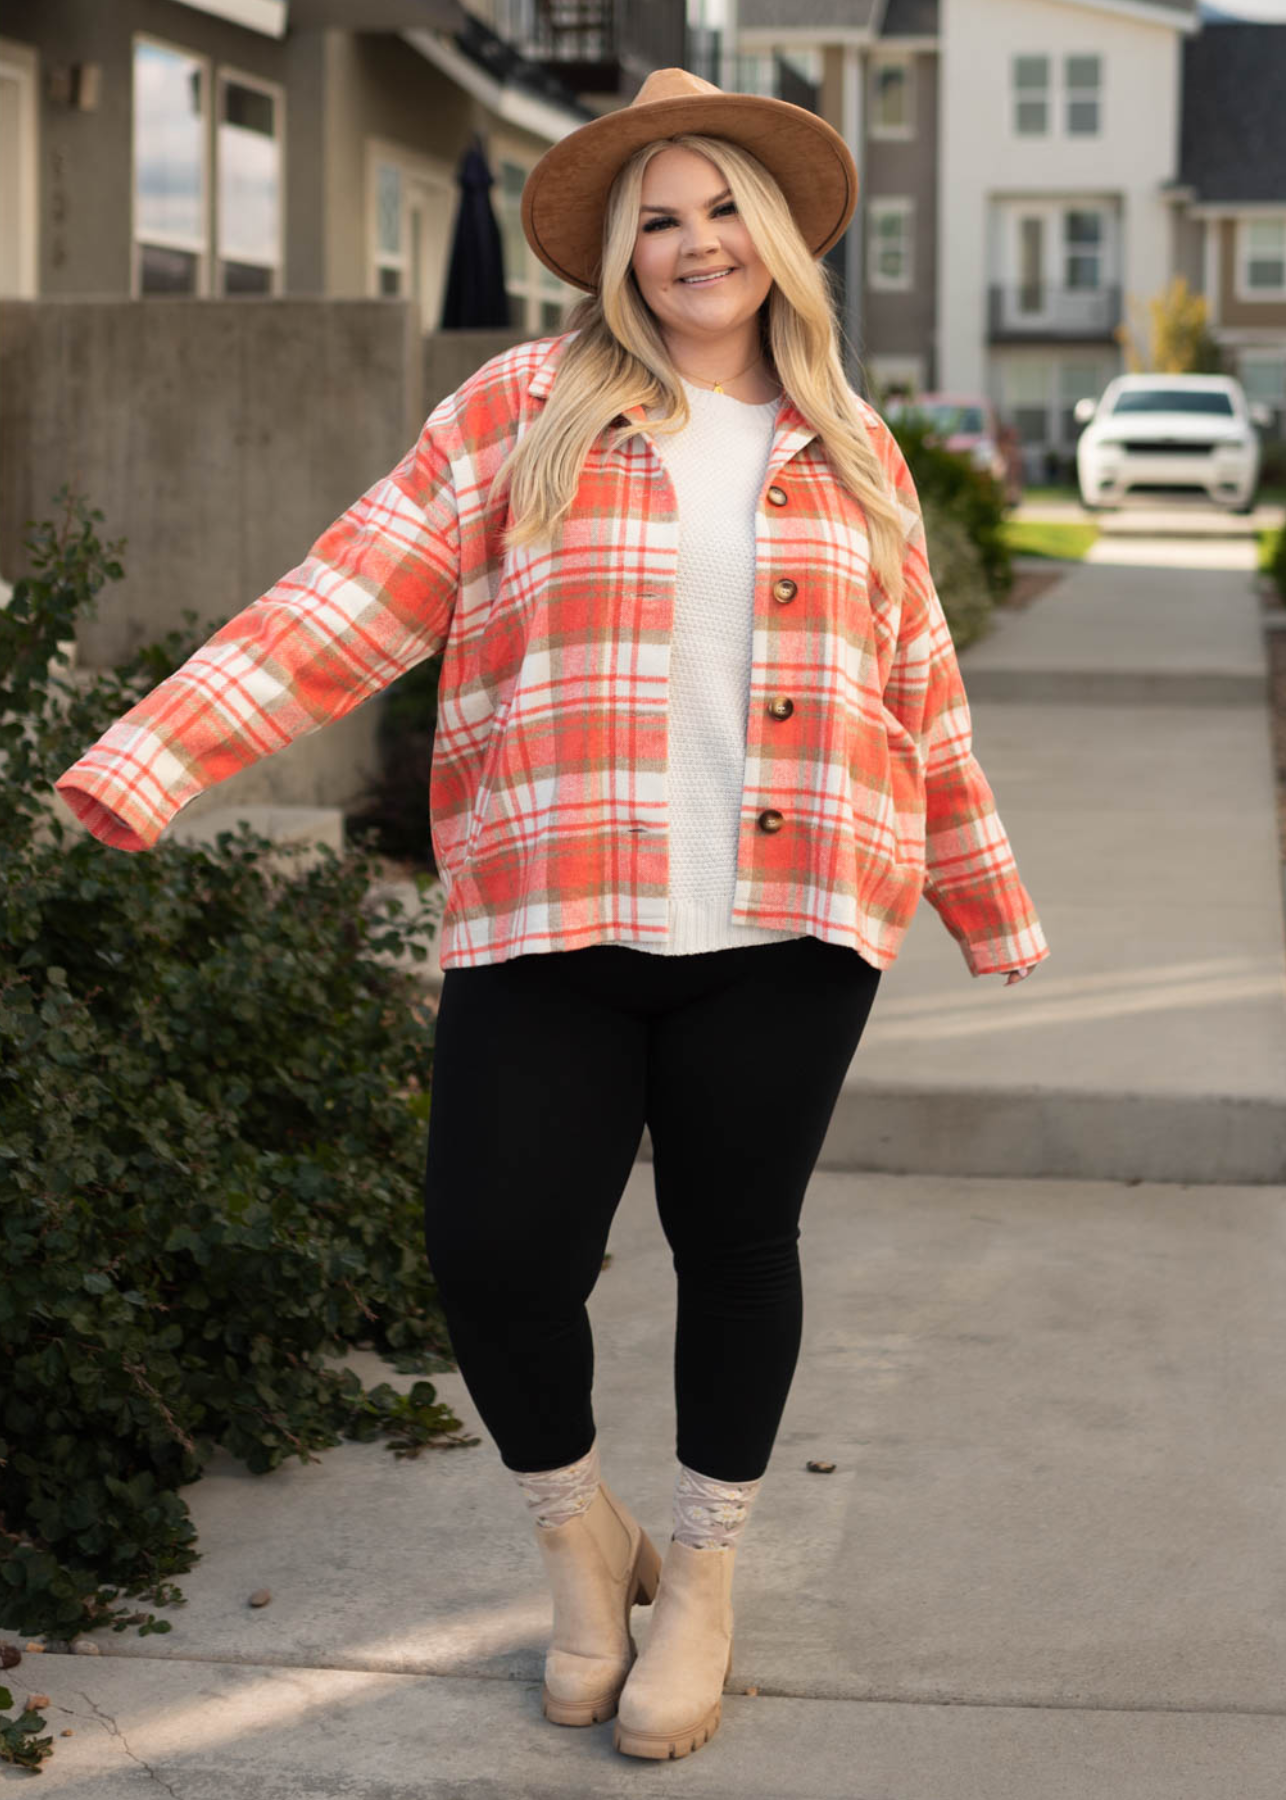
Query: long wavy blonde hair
(618, 359)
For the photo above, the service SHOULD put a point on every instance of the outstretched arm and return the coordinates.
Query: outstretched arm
(372, 598)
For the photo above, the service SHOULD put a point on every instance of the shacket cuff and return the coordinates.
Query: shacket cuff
(1016, 950)
(107, 808)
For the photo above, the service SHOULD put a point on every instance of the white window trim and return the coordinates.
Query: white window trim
(528, 288)
(1070, 93)
(202, 250)
(226, 73)
(1269, 354)
(904, 207)
(22, 63)
(1242, 289)
(1059, 95)
(1051, 99)
(429, 170)
(897, 132)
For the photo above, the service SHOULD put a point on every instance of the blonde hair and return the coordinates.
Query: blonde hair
(618, 359)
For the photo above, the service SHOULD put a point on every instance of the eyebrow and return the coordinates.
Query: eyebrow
(724, 195)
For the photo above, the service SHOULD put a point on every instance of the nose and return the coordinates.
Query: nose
(700, 239)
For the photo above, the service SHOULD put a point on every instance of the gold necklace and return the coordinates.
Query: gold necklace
(717, 386)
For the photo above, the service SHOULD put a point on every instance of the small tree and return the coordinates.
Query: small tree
(1178, 341)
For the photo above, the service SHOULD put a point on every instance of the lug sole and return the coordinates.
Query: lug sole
(670, 1745)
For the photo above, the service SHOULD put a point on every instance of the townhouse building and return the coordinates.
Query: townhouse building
(1033, 173)
(1229, 199)
(1060, 132)
(222, 148)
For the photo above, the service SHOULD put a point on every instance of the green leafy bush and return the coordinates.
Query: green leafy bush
(214, 1084)
(959, 487)
(958, 573)
(396, 809)
(1277, 563)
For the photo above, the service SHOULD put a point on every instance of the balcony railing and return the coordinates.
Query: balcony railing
(597, 46)
(1034, 309)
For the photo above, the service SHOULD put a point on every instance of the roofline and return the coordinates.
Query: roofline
(1186, 24)
(526, 111)
(1229, 209)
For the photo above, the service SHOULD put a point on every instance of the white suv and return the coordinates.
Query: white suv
(1162, 434)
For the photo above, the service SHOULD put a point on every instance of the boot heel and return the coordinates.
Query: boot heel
(647, 1573)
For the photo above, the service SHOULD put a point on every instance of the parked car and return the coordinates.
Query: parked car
(970, 424)
(1170, 435)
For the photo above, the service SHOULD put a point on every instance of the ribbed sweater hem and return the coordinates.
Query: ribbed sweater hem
(695, 927)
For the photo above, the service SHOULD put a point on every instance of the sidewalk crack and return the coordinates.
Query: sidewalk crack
(133, 1756)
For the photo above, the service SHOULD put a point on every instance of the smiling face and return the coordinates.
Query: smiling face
(693, 257)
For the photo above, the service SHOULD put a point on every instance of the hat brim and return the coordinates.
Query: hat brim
(565, 195)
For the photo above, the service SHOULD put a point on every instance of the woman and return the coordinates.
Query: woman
(702, 743)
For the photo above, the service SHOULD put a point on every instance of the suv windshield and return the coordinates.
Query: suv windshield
(1195, 400)
(943, 415)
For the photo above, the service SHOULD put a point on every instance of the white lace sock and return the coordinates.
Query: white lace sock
(556, 1495)
(710, 1514)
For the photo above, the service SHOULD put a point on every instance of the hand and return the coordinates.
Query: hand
(1018, 974)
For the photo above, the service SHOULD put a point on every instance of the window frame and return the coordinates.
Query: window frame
(896, 206)
(225, 73)
(1047, 97)
(1076, 96)
(537, 286)
(204, 250)
(1244, 288)
(878, 129)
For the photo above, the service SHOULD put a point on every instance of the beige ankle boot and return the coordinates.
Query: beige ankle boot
(672, 1701)
(599, 1564)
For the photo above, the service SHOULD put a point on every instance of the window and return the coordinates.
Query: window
(250, 200)
(1264, 256)
(888, 247)
(1082, 249)
(537, 298)
(171, 211)
(890, 104)
(1031, 96)
(1264, 377)
(1083, 78)
(390, 251)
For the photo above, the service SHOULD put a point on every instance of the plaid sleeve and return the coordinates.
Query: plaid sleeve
(372, 598)
(972, 880)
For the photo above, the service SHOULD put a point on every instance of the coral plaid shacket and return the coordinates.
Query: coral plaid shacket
(549, 809)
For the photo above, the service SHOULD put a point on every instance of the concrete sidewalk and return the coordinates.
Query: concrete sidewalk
(1122, 720)
(1051, 1559)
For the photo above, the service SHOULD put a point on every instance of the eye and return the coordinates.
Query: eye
(655, 224)
(729, 206)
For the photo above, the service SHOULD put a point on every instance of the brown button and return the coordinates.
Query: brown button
(777, 496)
(781, 707)
(771, 820)
(784, 590)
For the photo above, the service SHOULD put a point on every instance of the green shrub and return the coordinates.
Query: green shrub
(972, 494)
(1277, 563)
(958, 573)
(213, 1091)
(396, 809)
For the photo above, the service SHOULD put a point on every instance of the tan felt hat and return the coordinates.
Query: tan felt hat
(566, 193)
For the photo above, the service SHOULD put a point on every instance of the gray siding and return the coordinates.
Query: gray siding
(905, 323)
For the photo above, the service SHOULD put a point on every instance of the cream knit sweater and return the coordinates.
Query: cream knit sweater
(717, 465)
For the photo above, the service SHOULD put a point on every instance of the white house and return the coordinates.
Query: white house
(1058, 135)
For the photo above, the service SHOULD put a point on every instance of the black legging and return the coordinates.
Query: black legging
(545, 1068)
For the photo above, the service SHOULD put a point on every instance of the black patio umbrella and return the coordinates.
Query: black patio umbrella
(475, 292)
